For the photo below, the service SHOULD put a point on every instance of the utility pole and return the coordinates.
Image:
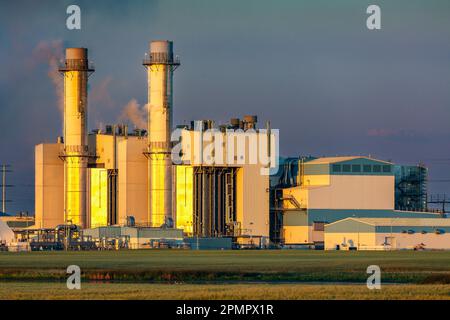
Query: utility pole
(4, 185)
(441, 200)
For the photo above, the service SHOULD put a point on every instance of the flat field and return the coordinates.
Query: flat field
(186, 274)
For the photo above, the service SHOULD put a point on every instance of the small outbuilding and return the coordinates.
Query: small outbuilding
(388, 234)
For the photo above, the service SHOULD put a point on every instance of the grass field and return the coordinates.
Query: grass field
(172, 274)
(45, 290)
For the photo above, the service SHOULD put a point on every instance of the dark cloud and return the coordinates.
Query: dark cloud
(310, 67)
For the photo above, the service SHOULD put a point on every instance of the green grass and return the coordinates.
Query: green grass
(36, 290)
(204, 266)
(173, 274)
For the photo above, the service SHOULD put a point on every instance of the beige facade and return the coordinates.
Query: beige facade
(360, 240)
(358, 192)
(388, 234)
(132, 189)
(410, 241)
(252, 201)
(131, 165)
(49, 185)
(132, 186)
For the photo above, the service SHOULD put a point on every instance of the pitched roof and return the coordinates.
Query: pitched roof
(402, 222)
(327, 160)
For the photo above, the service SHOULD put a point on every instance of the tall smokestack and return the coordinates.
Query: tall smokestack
(76, 71)
(160, 65)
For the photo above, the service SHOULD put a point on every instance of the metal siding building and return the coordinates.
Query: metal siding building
(335, 188)
(388, 233)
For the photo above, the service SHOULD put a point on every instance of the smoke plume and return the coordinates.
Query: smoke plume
(51, 53)
(135, 114)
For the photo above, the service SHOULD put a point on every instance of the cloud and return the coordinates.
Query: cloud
(385, 132)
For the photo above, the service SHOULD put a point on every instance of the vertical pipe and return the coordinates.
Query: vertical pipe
(205, 204)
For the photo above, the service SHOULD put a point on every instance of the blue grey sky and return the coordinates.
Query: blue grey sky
(312, 68)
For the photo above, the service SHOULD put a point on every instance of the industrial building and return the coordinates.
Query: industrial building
(326, 190)
(411, 187)
(388, 234)
(111, 175)
(135, 238)
(141, 185)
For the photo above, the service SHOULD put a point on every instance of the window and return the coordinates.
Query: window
(356, 168)
(376, 168)
(336, 168)
(386, 168)
(346, 168)
(367, 168)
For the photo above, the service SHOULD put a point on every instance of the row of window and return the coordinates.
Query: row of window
(367, 168)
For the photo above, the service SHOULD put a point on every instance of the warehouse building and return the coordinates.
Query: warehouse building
(334, 188)
(387, 234)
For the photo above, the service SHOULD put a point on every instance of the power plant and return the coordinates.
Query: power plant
(208, 186)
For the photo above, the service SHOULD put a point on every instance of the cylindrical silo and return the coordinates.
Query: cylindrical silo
(76, 71)
(160, 65)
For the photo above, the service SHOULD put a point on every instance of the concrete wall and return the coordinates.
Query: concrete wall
(252, 201)
(361, 240)
(49, 185)
(376, 241)
(103, 144)
(345, 192)
(132, 186)
(366, 236)
(354, 192)
(409, 241)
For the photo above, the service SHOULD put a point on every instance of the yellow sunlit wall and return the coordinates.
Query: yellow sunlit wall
(159, 124)
(75, 83)
(296, 234)
(184, 198)
(99, 197)
(316, 180)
